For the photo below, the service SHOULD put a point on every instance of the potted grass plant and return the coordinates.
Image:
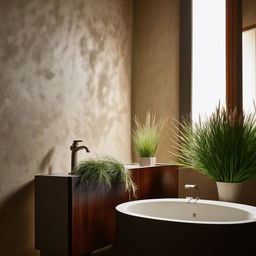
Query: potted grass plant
(146, 138)
(223, 147)
(106, 171)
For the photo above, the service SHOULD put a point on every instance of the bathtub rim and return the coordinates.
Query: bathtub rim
(122, 208)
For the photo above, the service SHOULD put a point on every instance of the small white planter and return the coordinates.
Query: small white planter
(229, 192)
(147, 161)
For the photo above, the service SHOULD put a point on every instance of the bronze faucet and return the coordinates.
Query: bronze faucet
(74, 148)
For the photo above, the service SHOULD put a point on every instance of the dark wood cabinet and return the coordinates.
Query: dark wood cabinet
(74, 218)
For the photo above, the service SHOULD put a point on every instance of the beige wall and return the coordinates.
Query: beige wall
(64, 75)
(155, 71)
(249, 12)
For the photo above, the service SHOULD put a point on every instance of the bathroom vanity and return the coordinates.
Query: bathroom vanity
(74, 218)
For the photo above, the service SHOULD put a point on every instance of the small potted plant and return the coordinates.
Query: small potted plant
(146, 138)
(106, 171)
(223, 147)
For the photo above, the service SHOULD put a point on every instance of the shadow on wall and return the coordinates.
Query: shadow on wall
(45, 165)
(55, 52)
(65, 74)
(248, 194)
(17, 216)
(17, 223)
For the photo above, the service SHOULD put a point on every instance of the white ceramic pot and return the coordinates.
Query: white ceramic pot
(147, 161)
(229, 192)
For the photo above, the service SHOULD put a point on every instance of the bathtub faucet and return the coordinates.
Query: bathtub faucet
(195, 187)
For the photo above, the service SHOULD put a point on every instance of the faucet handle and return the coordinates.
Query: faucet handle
(76, 141)
(74, 144)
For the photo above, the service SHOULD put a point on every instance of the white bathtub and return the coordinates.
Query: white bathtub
(183, 210)
(203, 227)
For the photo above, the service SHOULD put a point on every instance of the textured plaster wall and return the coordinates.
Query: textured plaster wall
(249, 12)
(155, 72)
(64, 75)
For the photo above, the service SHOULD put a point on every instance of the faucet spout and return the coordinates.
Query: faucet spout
(82, 147)
(74, 149)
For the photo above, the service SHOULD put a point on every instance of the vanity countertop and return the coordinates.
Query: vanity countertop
(128, 166)
(137, 166)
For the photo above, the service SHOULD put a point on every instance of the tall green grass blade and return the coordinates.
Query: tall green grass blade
(146, 137)
(106, 170)
(222, 147)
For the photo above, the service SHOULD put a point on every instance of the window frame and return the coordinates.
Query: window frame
(233, 56)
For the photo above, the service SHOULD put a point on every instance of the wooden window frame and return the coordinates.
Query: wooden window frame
(233, 56)
(234, 89)
(249, 27)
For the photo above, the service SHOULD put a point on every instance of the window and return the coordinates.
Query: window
(249, 69)
(208, 56)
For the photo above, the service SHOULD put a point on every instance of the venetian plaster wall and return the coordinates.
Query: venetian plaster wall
(155, 72)
(64, 75)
